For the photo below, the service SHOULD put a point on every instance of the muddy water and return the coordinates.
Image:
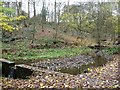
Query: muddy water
(99, 61)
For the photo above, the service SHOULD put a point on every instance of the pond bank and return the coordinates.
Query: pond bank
(101, 77)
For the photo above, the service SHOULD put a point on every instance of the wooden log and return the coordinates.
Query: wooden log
(97, 47)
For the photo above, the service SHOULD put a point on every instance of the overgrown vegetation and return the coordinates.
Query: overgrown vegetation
(6, 21)
(22, 54)
(112, 50)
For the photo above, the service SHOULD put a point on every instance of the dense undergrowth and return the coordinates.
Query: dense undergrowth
(112, 50)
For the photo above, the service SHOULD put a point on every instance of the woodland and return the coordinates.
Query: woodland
(59, 45)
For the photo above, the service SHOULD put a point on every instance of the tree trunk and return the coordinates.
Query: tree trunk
(34, 9)
(8, 4)
(55, 12)
(119, 22)
(28, 8)
(98, 25)
(17, 7)
(43, 15)
(20, 7)
(55, 19)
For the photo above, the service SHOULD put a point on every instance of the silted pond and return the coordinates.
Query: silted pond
(73, 65)
(99, 61)
(45, 75)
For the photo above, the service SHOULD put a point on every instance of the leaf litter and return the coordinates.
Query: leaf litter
(106, 76)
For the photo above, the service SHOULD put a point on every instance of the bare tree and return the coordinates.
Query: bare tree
(28, 8)
(119, 22)
(55, 12)
(34, 3)
(55, 19)
(98, 25)
(17, 8)
(20, 7)
(43, 14)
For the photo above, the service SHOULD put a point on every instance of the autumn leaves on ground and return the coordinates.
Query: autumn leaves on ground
(66, 47)
(101, 77)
